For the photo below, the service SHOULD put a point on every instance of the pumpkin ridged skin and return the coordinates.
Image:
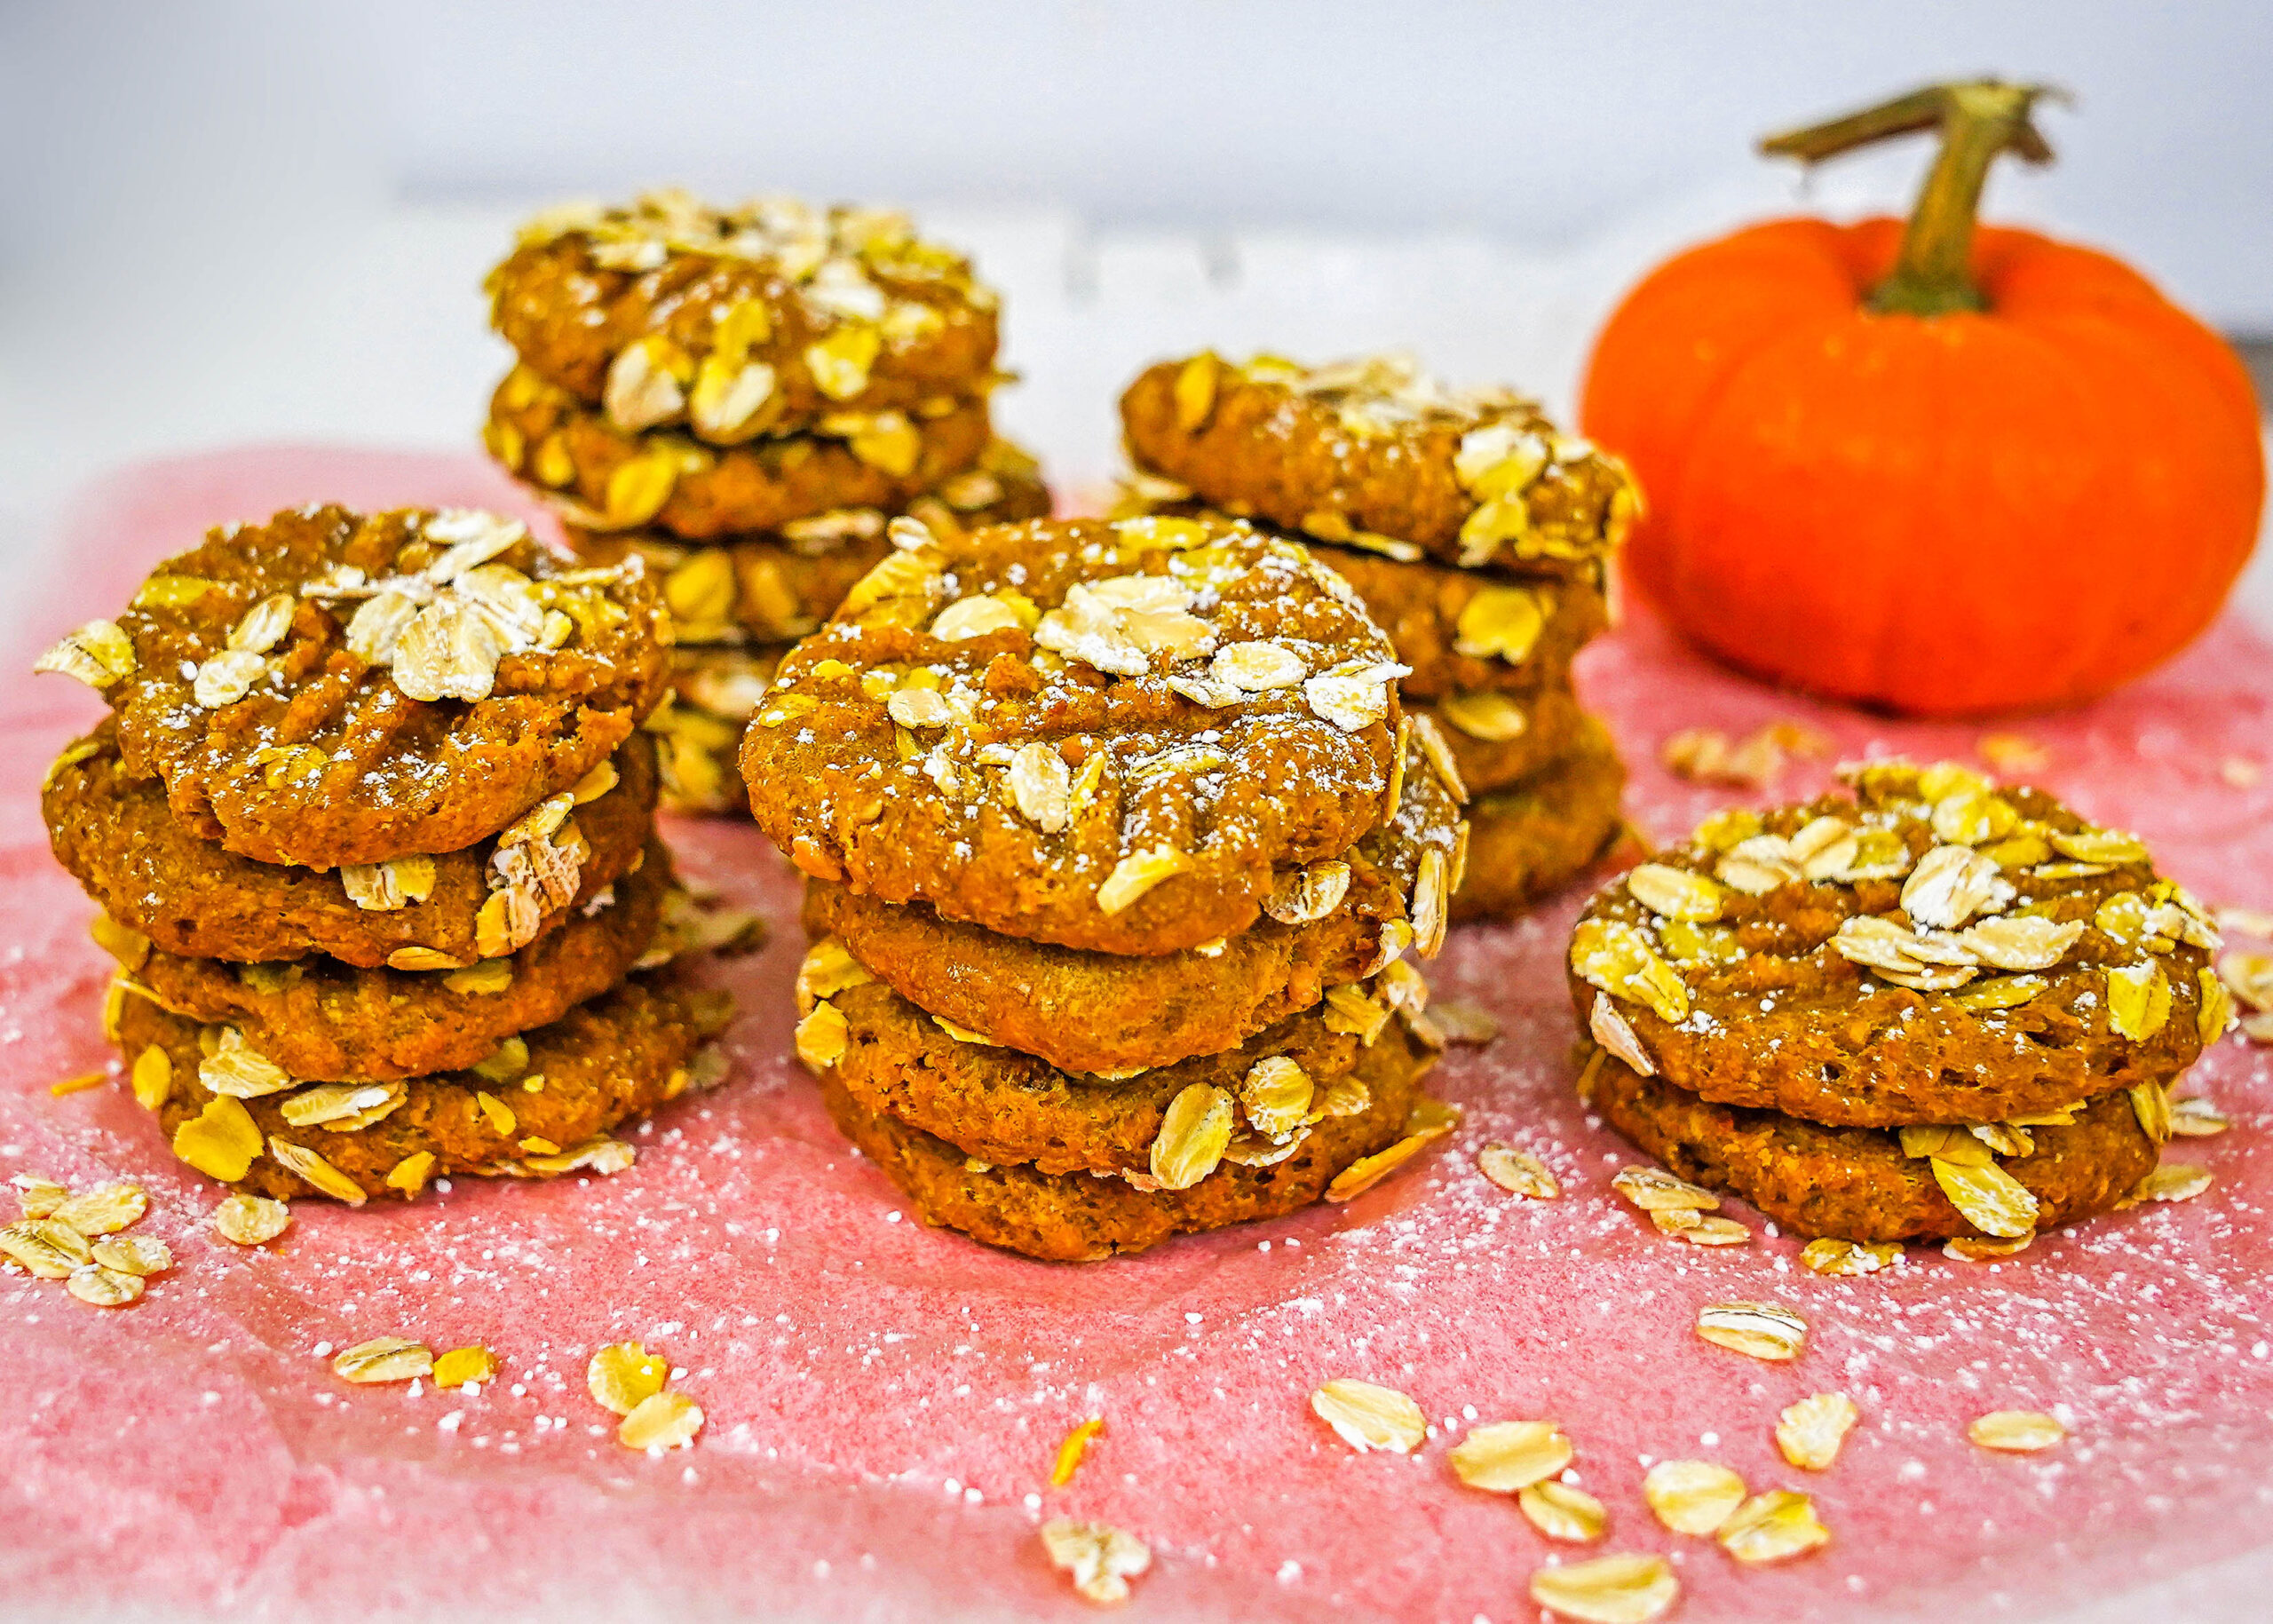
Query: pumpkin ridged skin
(1945, 515)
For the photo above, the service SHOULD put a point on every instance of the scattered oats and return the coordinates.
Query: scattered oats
(1950, 884)
(410, 1174)
(2172, 1181)
(1138, 873)
(385, 887)
(251, 1220)
(2012, 753)
(1773, 1526)
(1275, 1096)
(226, 678)
(2015, 1431)
(1616, 1034)
(2241, 772)
(1625, 1589)
(661, 1421)
(2150, 1107)
(39, 1197)
(1503, 1457)
(2138, 1000)
(426, 958)
(143, 1254)
(1833, 1256)
(104, 1288)
(1981, 1248)
(1693, 1496)
(343, 1107)
(1302, 896)
(1676, 894)
(384, 1359)
(1194, 393)
(2022, 941)
(1257, 667)
(1071, 1452)
(98, 654)
(623, 1375)
(461, 1365)
(1701, 1229)
(1353, 697)
(1465, 1023)
(1042, 786)
(1561, 1512)
(1369, 1417)
(486, 979)
(1655, 1190)
(1761, 1330)
(1101, 1559)
(1617, 958)
(220, 1141)
(2195, 1118)
(822, 1037)
(1352, 1011)
(1992, 1201)
(1518, 1172)
(77, 1085)
(2100, 846)
(103, 1210)
(236, 1070)
(1810, 1431)
(1194, 1133)
(316, 1172)
(47, 1249)
(1363, 1174)
(1491, 717)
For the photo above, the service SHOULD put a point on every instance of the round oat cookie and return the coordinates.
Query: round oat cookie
(1933, 950)
(780, 587)
(1333, 922)
(1076, 1217)
(598, 477)
(330, 689)
(1859, 1184)
(1498, 739)
(734, 322)
(1108, 735)
(1000, 1105)
(198, 899)
(1375, 448)
(1530, 840)
(615, 1057)
(317, 1020)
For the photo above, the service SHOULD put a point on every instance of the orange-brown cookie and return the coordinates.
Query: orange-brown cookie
(1857, 1183)
(1074, 1218)
(599, 477)
(1111, 736)
(739, 321)
(1500, 738)
(327, 689)
(1934, 949)
(317, 1020)
(1335, 922)
(1534, 838)
(1375, 446)
(196, 899)
(615, 1057)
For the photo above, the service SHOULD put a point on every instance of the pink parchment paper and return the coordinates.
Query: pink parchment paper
(885, 1401)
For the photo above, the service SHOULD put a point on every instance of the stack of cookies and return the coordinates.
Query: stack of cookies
(1475, 533)
(371, 823)
(1115, 838)
(744, 397)
(1936, 1009)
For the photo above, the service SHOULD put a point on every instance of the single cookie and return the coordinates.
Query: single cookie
(1075, 1218)
(1859, 1184)
(1374, 447)
(1500, 738)
(598, 477)
(317, 1020)
(615, 1057)
(741, 322)
(1535, 838)
(198, 899)
(1111, 736)
(1933, 950)
(328, 689)
(779, 587)
(1336, 921)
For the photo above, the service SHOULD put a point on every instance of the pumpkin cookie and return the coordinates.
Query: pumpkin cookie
(317, 1020)
(197, 899)
(1498, 738)
(330, 689)
(1074, 1218)
(1934, 949)
(1335, 921)
(1112, 736)
(599, 477)
(1373, 449)
(541, 1106)
(1536, 837)
(779, 587)
(1861, 1184)
(735, 322)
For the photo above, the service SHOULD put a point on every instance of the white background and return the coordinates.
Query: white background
(223, 222)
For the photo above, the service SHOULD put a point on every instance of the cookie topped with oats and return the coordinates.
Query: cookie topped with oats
(328, 689)
(1372, 452)
(1932, 949)
(733, 322)
(1109, 735)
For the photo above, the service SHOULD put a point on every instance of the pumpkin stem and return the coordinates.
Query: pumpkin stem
(1978, 120)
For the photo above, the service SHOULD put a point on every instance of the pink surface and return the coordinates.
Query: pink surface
(884, 1401)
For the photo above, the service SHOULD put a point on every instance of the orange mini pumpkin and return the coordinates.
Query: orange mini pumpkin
(1926, 467)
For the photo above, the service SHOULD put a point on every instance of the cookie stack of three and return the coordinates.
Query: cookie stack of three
(1931, 1009)
(1117, 841)
(744, 397)
(1477, 534)
(372, 826)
